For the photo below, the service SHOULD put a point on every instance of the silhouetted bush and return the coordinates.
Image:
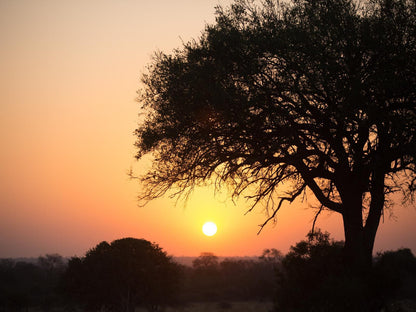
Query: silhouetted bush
(313, 278)
(399, 271)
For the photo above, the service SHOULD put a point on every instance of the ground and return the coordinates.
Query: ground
(249, 306)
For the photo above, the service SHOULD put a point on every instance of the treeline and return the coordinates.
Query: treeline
(231, 279)
(130, 273)
(25, 285)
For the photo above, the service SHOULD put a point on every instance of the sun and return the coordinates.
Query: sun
(209, 228)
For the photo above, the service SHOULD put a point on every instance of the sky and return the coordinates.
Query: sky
(69, 73)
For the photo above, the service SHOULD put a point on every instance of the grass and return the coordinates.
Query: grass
(240, 306)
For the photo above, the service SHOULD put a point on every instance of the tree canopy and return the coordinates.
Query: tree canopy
(127, 273)
(285, 99)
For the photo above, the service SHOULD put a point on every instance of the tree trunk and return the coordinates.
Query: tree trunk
(376, 208)
(357, 251)
(359, 238)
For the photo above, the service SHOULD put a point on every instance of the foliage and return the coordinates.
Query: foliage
(207, 262)
(35, 284)
(312, 278)
(399, 269)
(99, 281)
(316, 95)
(229, 280)
(122, 275)
(271, 255)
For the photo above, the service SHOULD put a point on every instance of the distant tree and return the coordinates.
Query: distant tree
(207, 261)
(271, 255)
(316, 95)
(205, 278)
(52, 267)
(51, 262)
(127, 273)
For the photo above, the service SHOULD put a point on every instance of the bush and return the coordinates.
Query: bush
(313, 278)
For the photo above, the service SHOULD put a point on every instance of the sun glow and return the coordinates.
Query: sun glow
(209, 228)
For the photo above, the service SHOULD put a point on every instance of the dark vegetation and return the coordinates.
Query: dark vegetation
(279, 100)
(229, 280)
(130, 273)
(122, 275)
(312, 277)
(26, 284)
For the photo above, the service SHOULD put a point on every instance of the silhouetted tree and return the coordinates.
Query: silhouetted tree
(311, 278)
(271, 255)
(52, 262)
(316, 95)
(205, 277)
(207, 261)
(122, 275)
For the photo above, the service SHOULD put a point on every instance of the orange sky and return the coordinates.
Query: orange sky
(69, 71)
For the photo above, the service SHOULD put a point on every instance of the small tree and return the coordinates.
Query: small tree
(318, 96)
(122, 275)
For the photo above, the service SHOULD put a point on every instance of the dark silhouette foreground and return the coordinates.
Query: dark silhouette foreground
(311, 278)
(132, 273)
(123, 275)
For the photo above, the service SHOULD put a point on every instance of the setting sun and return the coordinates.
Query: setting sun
(209, 228)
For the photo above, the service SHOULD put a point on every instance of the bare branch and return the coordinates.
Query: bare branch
(289, 199)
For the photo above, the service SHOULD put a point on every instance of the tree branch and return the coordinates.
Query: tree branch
(290, 199)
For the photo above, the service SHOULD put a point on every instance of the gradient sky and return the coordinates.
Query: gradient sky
(69, 72)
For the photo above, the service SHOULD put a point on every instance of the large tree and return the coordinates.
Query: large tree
(280, 99)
